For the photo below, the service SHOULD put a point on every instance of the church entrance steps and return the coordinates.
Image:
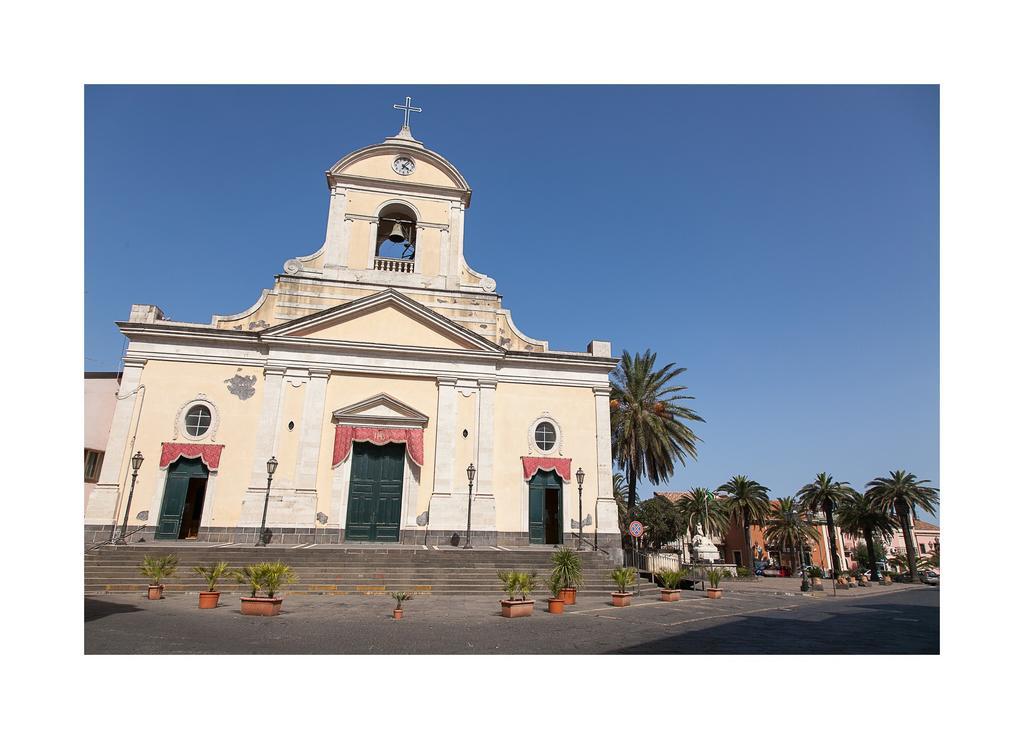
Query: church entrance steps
(345, 570)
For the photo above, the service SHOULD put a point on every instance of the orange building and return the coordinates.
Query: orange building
(815, 553)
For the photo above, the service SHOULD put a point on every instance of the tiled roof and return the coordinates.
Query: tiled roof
(920, 525)
(673, 497)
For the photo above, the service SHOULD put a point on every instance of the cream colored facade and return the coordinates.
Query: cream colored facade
(350, 337)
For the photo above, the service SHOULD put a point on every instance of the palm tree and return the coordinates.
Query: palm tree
(826, 495)
(902, 492)
(860, 515)
(748, 504)
(702, 506)
(648, 433)
(787, 527)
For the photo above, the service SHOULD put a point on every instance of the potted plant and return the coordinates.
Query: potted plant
(623, 577)
(671, 579)
(268, 577)
(211, 574)
(518, 586)
(886, 578)
(816, 573)
(156, 569)
(568, 567)
(400, 598)
(556, 603)
(715, 575)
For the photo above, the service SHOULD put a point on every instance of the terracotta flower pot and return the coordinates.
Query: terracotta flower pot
(156, 592)
(397, 614)
(714, 592)
(261, 606)
(556, 605)
(887, 580)
(516, 608)
(670, 595)
(209, 598)
(816, 584)
(621, 599)
(568, 595)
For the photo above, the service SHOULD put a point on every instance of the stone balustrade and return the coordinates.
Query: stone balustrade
(384, 264)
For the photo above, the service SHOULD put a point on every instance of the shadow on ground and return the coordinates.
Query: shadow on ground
(96, 609)
(871, 629)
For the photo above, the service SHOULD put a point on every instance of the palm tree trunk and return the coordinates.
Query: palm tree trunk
(631, 499)
(746, 541)
(908, 540)
(872, 557)
(837, 566)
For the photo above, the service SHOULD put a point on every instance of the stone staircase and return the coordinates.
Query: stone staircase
(344, 570)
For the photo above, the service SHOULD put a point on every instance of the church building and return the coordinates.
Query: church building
(375, 384)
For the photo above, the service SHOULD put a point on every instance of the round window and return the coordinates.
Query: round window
(197, 420)
(544, 436)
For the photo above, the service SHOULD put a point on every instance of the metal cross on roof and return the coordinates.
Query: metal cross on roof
(408, 108)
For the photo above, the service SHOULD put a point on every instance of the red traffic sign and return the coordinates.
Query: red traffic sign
(636, 529)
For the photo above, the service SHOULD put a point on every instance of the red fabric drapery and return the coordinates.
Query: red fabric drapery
(209, 453)
(345, 435)
(561, 465)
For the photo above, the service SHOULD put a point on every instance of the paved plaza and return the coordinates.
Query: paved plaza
(764, 617)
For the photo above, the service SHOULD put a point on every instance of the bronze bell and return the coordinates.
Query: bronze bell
(396, 235)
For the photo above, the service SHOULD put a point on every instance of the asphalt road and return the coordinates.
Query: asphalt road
(879, 622)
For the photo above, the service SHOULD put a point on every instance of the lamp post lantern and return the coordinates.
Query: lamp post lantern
(579, 480)
(271, 469)
(470, 474)
(136, 464)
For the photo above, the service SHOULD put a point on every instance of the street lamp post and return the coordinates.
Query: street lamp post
(271, 469)
(579, 479)
(470, 474)
(136, 464)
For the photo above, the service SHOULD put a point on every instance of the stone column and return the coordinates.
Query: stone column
(336, 243)
(103, 502)
(312, 431)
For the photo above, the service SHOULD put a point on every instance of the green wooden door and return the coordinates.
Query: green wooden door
(178, 475)
(545, 518)
(375, 492)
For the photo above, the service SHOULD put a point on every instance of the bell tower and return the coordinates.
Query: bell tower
(396, 217)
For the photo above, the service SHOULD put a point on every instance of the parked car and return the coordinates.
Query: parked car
(928, 577)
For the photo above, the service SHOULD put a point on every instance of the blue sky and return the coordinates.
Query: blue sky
(779, 242)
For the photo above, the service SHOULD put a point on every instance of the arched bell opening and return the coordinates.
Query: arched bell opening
(396, 234)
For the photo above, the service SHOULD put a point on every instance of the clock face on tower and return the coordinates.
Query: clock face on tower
(403, 165)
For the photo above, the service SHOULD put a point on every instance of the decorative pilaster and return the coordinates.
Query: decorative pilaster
(103, 501)
(372, 249)
(446, 239)
(607, 511)
(312, 431)
(444, 448)
(336, 256)
(266, 433)
(485, 437)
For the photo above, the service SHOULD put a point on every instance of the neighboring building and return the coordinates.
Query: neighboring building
(925, 536)
(374, 372)
(815, 553)
(100, 399)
